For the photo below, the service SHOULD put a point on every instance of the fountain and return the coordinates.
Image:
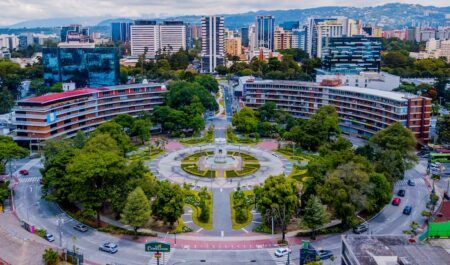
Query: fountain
(221, 160)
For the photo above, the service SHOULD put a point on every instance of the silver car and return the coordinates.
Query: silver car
(109, 247)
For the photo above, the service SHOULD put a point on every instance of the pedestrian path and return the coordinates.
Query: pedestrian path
(278, 260)
(29, 180)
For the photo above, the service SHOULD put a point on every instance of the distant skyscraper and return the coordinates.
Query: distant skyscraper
(212, 43)
(282, 39)
(299, 39)
(265, 27)
(172, 36)
(120, 31)
(244, 36)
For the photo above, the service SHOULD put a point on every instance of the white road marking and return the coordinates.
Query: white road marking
(187, 222)
(199, 230)
(221, 233)
(243, 229)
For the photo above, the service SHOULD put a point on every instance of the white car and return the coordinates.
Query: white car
(281, 252)
(109, 247)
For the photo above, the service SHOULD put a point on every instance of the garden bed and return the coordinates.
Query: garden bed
(193, 201)
(247, 203)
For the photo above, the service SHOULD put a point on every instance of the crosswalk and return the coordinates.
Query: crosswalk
(278, 260)
(404, 182)
(29, 180)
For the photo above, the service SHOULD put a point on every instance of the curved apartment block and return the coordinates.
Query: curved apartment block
(362, 111)
(52, 115)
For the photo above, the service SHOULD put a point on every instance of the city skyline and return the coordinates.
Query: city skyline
(16, 11)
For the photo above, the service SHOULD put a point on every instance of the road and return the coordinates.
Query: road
(45, 214)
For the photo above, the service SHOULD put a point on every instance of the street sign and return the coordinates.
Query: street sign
(156, 246)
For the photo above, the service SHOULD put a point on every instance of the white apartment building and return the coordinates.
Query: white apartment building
(9, 41)
(434, 49)
(381, 81)
(169, 37)
(212, 43)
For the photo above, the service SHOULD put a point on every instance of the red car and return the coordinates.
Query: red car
(396, 201)
(24, 172)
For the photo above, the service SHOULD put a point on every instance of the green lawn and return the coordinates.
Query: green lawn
(250, 165)
(196, 210)
(143, 154)
(235, 224)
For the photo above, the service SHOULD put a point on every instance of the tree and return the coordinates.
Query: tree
(98, 167)
(126, 121)
(169, 202)
(6, 101)
(221, 70)
(117, 133)
(267, 112)
(50, 257)
(141, 128)
(443, 129)
(208, 82)
(137, 209)
(9, 150)
(182, 94)
(346, 189)
(245, 120)
(380, 193)
(395, 146)
(79, 140)
(315, 214)
(277, 198)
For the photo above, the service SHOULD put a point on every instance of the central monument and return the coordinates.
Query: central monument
(220, 150)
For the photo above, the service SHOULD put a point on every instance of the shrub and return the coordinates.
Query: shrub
(241, 214)
(41, 232)
(262, 228)
(50, 257)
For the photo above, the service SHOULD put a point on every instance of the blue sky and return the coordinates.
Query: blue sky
(13, 11)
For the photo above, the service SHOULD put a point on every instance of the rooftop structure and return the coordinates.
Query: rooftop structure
(390, 250)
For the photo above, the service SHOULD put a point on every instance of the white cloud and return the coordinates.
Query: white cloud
(13, 11)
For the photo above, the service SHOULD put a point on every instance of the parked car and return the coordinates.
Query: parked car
(361, 228)
(49, 237)
(407, 210)
(411, 182)
(81, 227)
(401, 193)
(396, 201)
(324, 254)
(281, 252)
(24, 172)
(109, 247)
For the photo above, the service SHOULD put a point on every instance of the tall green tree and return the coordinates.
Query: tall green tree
(9, 150)
(141, 128)
(137, 209)
(169, 202)
(443, 129)
(278, 197)
(117, 133)
(6, 101)
(245, 120)
(208, 82)
(315, 214)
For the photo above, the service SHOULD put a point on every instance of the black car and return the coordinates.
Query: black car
(407, 210)
(411, 182)
(401, 193)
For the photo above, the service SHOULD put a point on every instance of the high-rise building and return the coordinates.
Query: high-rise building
(144, 38)
(10, 42)
(172, 36)
(120, 31)
(244, 36)
(351, 54)
(320, 28)
(252, 37)
(168, 37)
(298, 39)
(74, 33)
(265, 27)
(282, 39)
(212, 43)
(82, 63)
(233, 46)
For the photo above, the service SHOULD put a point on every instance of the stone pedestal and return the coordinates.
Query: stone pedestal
(220, 151)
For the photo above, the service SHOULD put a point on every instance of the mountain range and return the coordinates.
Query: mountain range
(388, 16)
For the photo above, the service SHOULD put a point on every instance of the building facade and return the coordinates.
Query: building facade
(233, 46)
(245, 37)
(265, 28)
(121, 31)
(74, 33)
(212, 43)
(375, 80)
(282, 39)
(172, 36)
(362, 111)
(63, 114)
(351, 54)
(144, 38)
(84, 64)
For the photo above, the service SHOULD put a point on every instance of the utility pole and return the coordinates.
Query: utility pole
(273, 224)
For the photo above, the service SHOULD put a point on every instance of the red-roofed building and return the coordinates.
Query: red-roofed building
(63, 114)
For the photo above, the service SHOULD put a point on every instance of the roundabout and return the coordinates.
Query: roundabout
(218, 166)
